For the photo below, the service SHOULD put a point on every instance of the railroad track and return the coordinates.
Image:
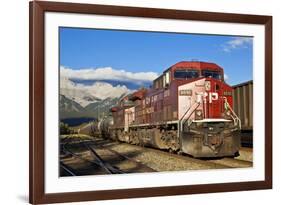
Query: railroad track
(100, 156)
(66, 169)
(217, 163)
(132, 165)
(98, 160)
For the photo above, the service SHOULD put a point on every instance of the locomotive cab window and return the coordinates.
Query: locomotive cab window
(211, 74)
(186, 74)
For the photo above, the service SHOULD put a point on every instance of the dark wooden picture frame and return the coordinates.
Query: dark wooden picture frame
(37, 96)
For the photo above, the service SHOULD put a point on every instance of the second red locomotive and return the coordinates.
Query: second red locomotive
(188, 109)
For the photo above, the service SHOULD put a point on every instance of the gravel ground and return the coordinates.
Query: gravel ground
(246, 154)
(162, 161)
(234, 163)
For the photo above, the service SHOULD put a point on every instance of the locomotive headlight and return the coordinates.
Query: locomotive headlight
(198, 115)
(207, 85)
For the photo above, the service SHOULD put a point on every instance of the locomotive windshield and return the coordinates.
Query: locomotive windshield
(185, 74)
(211, 74)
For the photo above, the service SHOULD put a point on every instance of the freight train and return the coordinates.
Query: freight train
(243, 107)
(188, 110)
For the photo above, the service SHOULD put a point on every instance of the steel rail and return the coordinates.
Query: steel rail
(108, 167)
(127, 158)
(67, 169)
(99, 163)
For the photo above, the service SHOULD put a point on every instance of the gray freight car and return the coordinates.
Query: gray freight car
(243, 107)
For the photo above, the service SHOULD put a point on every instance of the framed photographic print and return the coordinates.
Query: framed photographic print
(139, 102)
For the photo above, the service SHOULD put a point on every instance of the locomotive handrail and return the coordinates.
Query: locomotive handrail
(235, 118)
(180, 121)
(185, 113)
(198, 103)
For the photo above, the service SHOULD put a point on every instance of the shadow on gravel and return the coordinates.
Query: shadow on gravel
(92, 167)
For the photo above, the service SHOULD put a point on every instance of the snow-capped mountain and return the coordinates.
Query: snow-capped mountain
(105, 90)
(91, 92)
(87, 94)
(70, 108)
(101, 109)
(94, 100)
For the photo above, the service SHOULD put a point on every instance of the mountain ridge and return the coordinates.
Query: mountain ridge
(87, 94)
(93, 100)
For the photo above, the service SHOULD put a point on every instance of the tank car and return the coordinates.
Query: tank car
(187, 110)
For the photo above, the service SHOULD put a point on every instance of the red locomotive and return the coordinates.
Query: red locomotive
(188, 109)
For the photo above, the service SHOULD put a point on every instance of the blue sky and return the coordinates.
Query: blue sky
(136, 52)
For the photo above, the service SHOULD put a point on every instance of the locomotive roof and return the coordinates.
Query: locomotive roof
(139, 94)
(195, 64)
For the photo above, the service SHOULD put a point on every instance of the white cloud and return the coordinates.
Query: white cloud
(236, 43)
(107, 73)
